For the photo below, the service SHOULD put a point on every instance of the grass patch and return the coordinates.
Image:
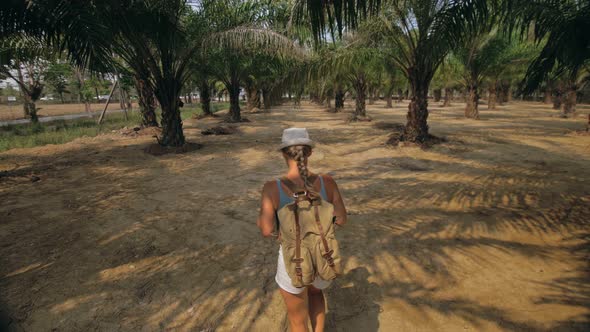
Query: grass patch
(195, 109)
(61, 131)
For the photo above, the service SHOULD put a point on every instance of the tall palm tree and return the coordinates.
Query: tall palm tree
(25, 62)
(448, 77)
(150, 36)
(561, 27)
(507, 64)
(479, 55)
(393, 81)
(241, 33)
(147, 35)
(355, 64)
(422, 31)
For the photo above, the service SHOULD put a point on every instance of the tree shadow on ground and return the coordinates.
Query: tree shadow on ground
(353, 302)
(113, 239)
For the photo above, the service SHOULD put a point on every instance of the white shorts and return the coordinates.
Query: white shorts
(284, 281)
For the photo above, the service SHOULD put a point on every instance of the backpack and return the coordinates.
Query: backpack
(307, 237)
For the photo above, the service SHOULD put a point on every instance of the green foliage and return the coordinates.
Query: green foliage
(94, 84)
(333, 16)
(449, 74)
(59, 132)
(57, 75)
(561, 27)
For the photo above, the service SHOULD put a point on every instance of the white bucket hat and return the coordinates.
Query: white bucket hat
(295, 136)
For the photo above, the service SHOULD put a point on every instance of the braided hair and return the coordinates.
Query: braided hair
(299, 153)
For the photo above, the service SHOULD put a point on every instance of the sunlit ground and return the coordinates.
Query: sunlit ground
(489, 231)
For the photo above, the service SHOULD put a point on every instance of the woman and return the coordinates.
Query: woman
(296, 148)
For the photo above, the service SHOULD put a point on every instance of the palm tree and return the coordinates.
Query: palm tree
(422, 32)
(241, 33)
(561, 27)
(57, 75)
(507, 64)
(151, 39)
(395, 78)
(479, 55)
(147, 35)
(448, 77)
(25, 61)
(353, 63)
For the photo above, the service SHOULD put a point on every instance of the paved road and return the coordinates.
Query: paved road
(57, 117)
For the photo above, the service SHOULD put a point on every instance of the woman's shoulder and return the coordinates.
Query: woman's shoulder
(270, 187)
(327, 178)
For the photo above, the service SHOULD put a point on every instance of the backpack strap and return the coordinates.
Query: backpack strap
(297, 259)
(328, 253)
(300, 193)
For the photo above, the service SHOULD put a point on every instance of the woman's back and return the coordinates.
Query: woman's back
(296, 147)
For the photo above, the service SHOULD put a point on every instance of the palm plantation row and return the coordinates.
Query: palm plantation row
(324, 49)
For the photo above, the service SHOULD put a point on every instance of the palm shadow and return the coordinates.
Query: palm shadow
(353, 303)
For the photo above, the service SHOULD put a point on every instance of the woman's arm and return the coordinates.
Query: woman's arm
(336, 199)
(266, 218)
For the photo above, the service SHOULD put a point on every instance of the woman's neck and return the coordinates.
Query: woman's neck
(293, 172)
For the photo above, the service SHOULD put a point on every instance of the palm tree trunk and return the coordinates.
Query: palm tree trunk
(252, 97)
(371, 96)
(146, 103)
(30, 108)
(492, 97)
(234, 100)
(472, 101)
(388, 97)
(569, 103)
(448, 97)
(437, 95)
(505, 95)
(80, 79)
(557, 97)
(400, 95)
(266, 99)
(30, 93)
(388, 101)
(416, 129)
(360, 87)
(172, 134)
(205, 98)
(339, 100)
(547, 97)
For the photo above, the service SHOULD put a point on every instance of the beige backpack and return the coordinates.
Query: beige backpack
(307, 237)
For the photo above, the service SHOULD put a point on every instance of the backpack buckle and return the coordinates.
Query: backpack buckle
(298, 271)
(329, 258)
(299, 194)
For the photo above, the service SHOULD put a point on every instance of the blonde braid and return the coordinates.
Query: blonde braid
(299, 153)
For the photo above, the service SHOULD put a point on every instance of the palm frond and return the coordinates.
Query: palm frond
(324, 15)
(247, 38)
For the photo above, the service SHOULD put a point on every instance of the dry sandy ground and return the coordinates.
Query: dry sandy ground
(487, 232)
(14, 112)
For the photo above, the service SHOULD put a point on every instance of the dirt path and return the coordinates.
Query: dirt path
(488, 232)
